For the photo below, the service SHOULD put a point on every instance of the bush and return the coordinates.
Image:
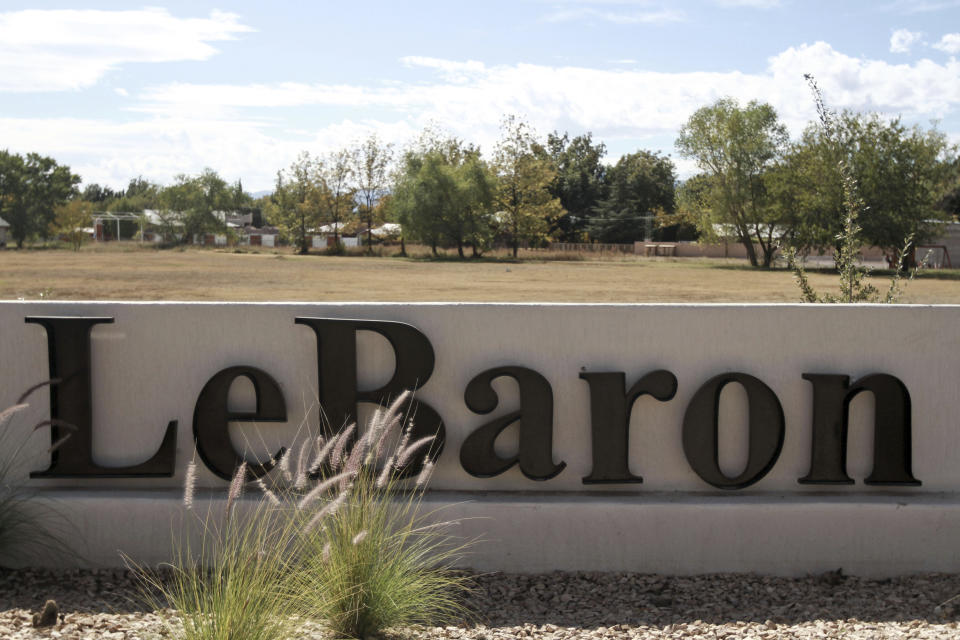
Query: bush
(29, 528)
(380, 562)
(854, 278)
(336, 534)
(232, 587)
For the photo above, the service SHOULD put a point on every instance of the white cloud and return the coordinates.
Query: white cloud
(60, 50)
(920, 6)
(903, 39)
(238, 128)
(754, 4)
(654, 16)
(949, 43)
(159, 148)
(452, 71)
(449, 66)
(627, 100)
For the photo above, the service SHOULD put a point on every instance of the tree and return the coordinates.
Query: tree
(340, 204)
(371, 163)
(579, 182)
(98, 194)
(240, 199)
(901, 175)
(416, 200)
(444, 194)
(140, 194)
(191, 203)
(736, 146)
(30, 189)
(300, 195)
(639, 185)
(524, 175)
(12, 187)
(71, 219)
(950, 203)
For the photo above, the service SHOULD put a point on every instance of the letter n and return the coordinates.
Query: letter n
(832, 394)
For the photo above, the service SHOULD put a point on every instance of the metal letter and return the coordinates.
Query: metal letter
(610, 408)
(212, 418)
(337, 375)
(535, 455)
(68, 349)
(700, 431)
(832, 394)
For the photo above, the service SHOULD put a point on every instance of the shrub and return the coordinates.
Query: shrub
(379, 561)
(335, 534)
(29, 528)
(232, 587)
(854, 278)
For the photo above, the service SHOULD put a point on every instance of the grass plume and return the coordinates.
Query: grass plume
(340, 537)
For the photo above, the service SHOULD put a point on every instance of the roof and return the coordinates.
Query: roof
(260, 231)
(4, 223)
(328, 228)
(388, 229)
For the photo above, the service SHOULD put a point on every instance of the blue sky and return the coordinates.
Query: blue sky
(117, 91)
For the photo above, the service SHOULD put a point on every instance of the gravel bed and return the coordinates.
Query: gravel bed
(101, 605)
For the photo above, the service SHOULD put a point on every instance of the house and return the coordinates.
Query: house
(260, 237)
(388, 232)
(162, 226)
(4, 228)
(322, 237)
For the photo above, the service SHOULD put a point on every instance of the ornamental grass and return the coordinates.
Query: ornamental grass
(30, 527)
(334, 534)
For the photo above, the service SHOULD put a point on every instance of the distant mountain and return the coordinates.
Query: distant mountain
(260, 194)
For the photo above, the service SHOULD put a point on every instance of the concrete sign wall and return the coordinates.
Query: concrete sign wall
(668, 438)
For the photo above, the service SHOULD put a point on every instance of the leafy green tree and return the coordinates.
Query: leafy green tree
(579, 182)
(191, 203)
(640, 185)
(417, 204)
(524, 174)
(371, 173)
(300, 196)
(950, 203)
(12, 188)
(31, 188)
(240, 199)
(443, 195)
(340, 203)
(901, 175)
(99, 195)
(71, 219)
(473, 210)
(140, 194)
(736, 146)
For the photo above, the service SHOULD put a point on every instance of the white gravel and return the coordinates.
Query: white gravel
(101, 605)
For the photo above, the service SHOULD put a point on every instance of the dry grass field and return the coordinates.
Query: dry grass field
(130, 273)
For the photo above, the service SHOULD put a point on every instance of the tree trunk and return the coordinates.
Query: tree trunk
(460, 249)
(403, 247)
(747, 242)
(433, 247)
(515, 246)
(767, 249)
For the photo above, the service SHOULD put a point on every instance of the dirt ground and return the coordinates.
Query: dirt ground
(131, 273)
